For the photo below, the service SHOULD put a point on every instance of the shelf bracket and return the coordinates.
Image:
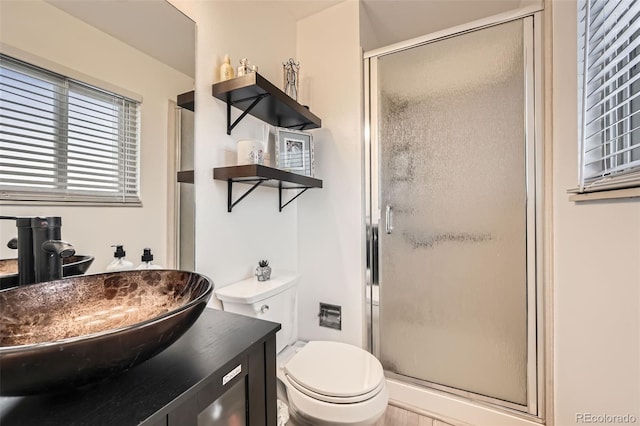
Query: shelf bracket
(280, 188)
(230, 203)
(301, 126)
(230, 125)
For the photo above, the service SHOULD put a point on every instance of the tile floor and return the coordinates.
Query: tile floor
(396, 416)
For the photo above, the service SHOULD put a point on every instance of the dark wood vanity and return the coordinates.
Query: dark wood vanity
(222, 371)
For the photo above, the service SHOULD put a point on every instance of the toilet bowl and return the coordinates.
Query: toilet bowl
(326, 383)
(332, 383)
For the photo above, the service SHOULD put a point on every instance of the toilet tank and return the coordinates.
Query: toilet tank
(272, 300)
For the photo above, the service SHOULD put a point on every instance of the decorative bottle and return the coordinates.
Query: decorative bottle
(244, 67)
(226, 70)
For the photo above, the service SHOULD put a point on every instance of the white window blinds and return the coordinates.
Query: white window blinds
(609, 53)
(62, 140)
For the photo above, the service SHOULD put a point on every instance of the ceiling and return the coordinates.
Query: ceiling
(299, 9)
(142, 24)
(393, 21)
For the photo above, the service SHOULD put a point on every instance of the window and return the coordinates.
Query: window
(609, 46)
(63, 140)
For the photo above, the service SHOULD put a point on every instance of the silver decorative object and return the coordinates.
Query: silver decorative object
(291, 74)
(244, 67)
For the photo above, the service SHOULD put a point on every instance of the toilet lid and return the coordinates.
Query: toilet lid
(335, 369)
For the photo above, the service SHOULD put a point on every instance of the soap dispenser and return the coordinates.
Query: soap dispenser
(147, 258)
(119, 263)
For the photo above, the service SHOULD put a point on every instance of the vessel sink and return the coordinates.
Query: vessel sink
(71, 266)
(67, 333)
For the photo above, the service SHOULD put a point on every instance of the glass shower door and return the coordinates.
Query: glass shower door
(452, 199)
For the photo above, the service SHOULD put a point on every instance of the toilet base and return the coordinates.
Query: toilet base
(306, 411)
(283, 414)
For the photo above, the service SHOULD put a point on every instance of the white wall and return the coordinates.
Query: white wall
(597, 266)
(229, 245)
(330, 228)
(45, 31)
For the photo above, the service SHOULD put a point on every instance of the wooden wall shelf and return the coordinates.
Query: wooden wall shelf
(185, 176)
(256, 175)
(187, 100)
(255, 95)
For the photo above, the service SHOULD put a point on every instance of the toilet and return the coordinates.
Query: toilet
(326, 383)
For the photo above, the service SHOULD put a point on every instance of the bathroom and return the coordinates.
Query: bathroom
(592, 310)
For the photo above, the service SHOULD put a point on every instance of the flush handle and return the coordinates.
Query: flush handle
(388, 219)
(264, 309)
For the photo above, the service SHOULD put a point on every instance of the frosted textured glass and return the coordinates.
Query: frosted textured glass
(452, 166)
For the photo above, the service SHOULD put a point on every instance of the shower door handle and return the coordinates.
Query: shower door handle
(388, 225)
(374, 256)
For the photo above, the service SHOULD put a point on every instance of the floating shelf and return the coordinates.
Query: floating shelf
(187, 100)
(185, 176)
(255, 95)
(256, 175)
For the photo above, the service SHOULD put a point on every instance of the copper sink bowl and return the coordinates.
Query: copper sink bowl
(67, 333)
(71, 266)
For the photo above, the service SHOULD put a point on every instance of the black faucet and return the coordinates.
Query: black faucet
(40, 249)
(48, 248)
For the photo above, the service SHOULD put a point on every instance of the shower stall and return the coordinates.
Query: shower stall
(453, 213)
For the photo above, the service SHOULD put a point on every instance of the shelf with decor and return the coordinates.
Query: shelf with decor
(259, 175)
(255, 95)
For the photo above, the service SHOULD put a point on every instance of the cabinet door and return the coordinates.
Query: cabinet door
(242, 393)
(230, 409)
(257, 391)
(205, 405)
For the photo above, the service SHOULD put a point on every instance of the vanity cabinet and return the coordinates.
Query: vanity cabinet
(223, 368)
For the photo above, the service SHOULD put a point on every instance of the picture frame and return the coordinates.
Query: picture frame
(294, 151)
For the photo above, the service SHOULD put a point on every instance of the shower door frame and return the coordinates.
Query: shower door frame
(534, 169)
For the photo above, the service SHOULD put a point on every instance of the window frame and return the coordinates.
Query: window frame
(128, 120)
(614, 166)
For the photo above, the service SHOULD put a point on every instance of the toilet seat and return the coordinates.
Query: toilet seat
(335, 399)
(335, 372)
